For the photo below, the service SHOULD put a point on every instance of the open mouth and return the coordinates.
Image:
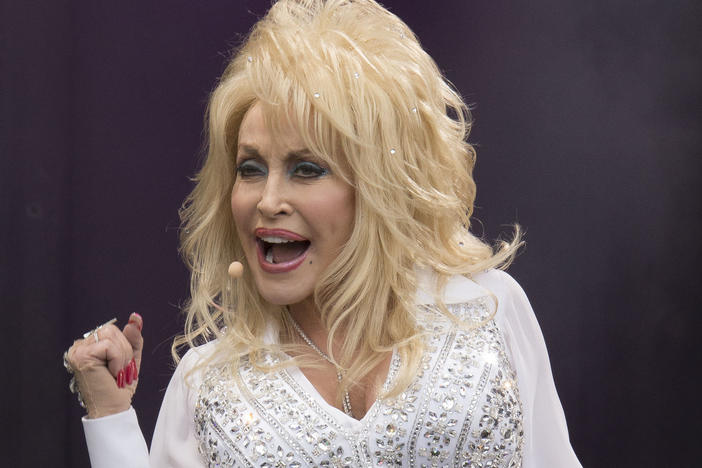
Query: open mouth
(280, 250)
(277, 250)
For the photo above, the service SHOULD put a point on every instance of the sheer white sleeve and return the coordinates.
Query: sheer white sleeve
(116, 441)
(546, 433)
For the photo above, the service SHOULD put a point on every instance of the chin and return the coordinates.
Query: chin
(280, 295)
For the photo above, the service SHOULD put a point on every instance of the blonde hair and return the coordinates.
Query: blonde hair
(363, 94)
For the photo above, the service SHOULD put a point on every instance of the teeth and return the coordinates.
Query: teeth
(276, 240)
(269, 256)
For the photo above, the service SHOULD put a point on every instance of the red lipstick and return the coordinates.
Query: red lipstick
(282, 267)
(264, 232)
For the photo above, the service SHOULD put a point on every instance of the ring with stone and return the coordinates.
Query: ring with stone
(95, 330)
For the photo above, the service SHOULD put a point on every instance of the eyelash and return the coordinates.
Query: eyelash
(249, 168)
(303, 169)
(306, 166)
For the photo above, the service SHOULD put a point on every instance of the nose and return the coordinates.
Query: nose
(274, 200)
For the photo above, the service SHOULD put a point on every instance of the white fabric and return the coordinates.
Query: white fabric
(547, 443)
(116, 441)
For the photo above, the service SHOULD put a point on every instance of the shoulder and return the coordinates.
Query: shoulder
(196, 361)
(197, 354)
(493, 289)
(513, 308)
(499, 283)
(219, 353)
(461, 289)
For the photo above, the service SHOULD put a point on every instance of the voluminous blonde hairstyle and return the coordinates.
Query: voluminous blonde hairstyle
(355, 82)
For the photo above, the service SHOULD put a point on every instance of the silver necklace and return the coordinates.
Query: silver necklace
(346, 401)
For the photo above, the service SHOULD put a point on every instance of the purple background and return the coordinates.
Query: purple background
(588, 133)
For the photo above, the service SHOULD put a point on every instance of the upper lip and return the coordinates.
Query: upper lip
(282, 233)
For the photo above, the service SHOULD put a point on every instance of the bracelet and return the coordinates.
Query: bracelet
(72, 386)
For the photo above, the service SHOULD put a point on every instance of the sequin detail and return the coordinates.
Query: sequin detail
(462, 409)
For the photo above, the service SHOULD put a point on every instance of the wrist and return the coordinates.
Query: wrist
(98, 413)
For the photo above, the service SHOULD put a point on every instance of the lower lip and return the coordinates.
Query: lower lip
(279, 267)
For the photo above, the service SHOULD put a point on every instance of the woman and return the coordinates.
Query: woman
(369, 326)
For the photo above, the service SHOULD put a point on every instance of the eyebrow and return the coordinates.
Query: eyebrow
(252, 151)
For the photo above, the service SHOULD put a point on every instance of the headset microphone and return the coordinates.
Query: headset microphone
(236, 270)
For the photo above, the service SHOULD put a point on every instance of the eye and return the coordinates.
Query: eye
(251, 168)
(308, 170)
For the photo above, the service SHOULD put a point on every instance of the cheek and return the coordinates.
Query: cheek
(239, 203)
(337, 212)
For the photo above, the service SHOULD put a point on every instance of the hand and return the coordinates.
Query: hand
(107, 371)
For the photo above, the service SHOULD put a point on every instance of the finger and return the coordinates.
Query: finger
(74, 353)
(132, 331)
(87, 352)
(90, 357)
(118, 350)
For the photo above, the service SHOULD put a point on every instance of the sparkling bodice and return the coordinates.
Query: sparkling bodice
(461, 409)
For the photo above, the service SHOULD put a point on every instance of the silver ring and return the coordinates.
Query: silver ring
(95, 334)
(95, 330)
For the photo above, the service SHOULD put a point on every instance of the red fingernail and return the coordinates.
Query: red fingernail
(139, 323)
(130, 371)
(128, 374)
(120, 379)
(135, 372)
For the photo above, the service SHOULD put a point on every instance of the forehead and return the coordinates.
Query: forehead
(268, 132)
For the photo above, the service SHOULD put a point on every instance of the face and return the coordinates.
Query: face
(292, 214)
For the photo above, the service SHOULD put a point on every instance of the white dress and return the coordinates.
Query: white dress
(482, 398)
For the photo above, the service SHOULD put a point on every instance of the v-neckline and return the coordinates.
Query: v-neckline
(332, 411)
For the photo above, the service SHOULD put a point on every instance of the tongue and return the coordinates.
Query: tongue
(288, 251)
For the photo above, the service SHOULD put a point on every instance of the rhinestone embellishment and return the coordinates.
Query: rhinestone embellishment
(461, 409)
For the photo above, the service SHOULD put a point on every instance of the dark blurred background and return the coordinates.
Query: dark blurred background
(587, 119)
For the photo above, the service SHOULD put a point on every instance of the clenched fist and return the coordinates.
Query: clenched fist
(107, 369)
